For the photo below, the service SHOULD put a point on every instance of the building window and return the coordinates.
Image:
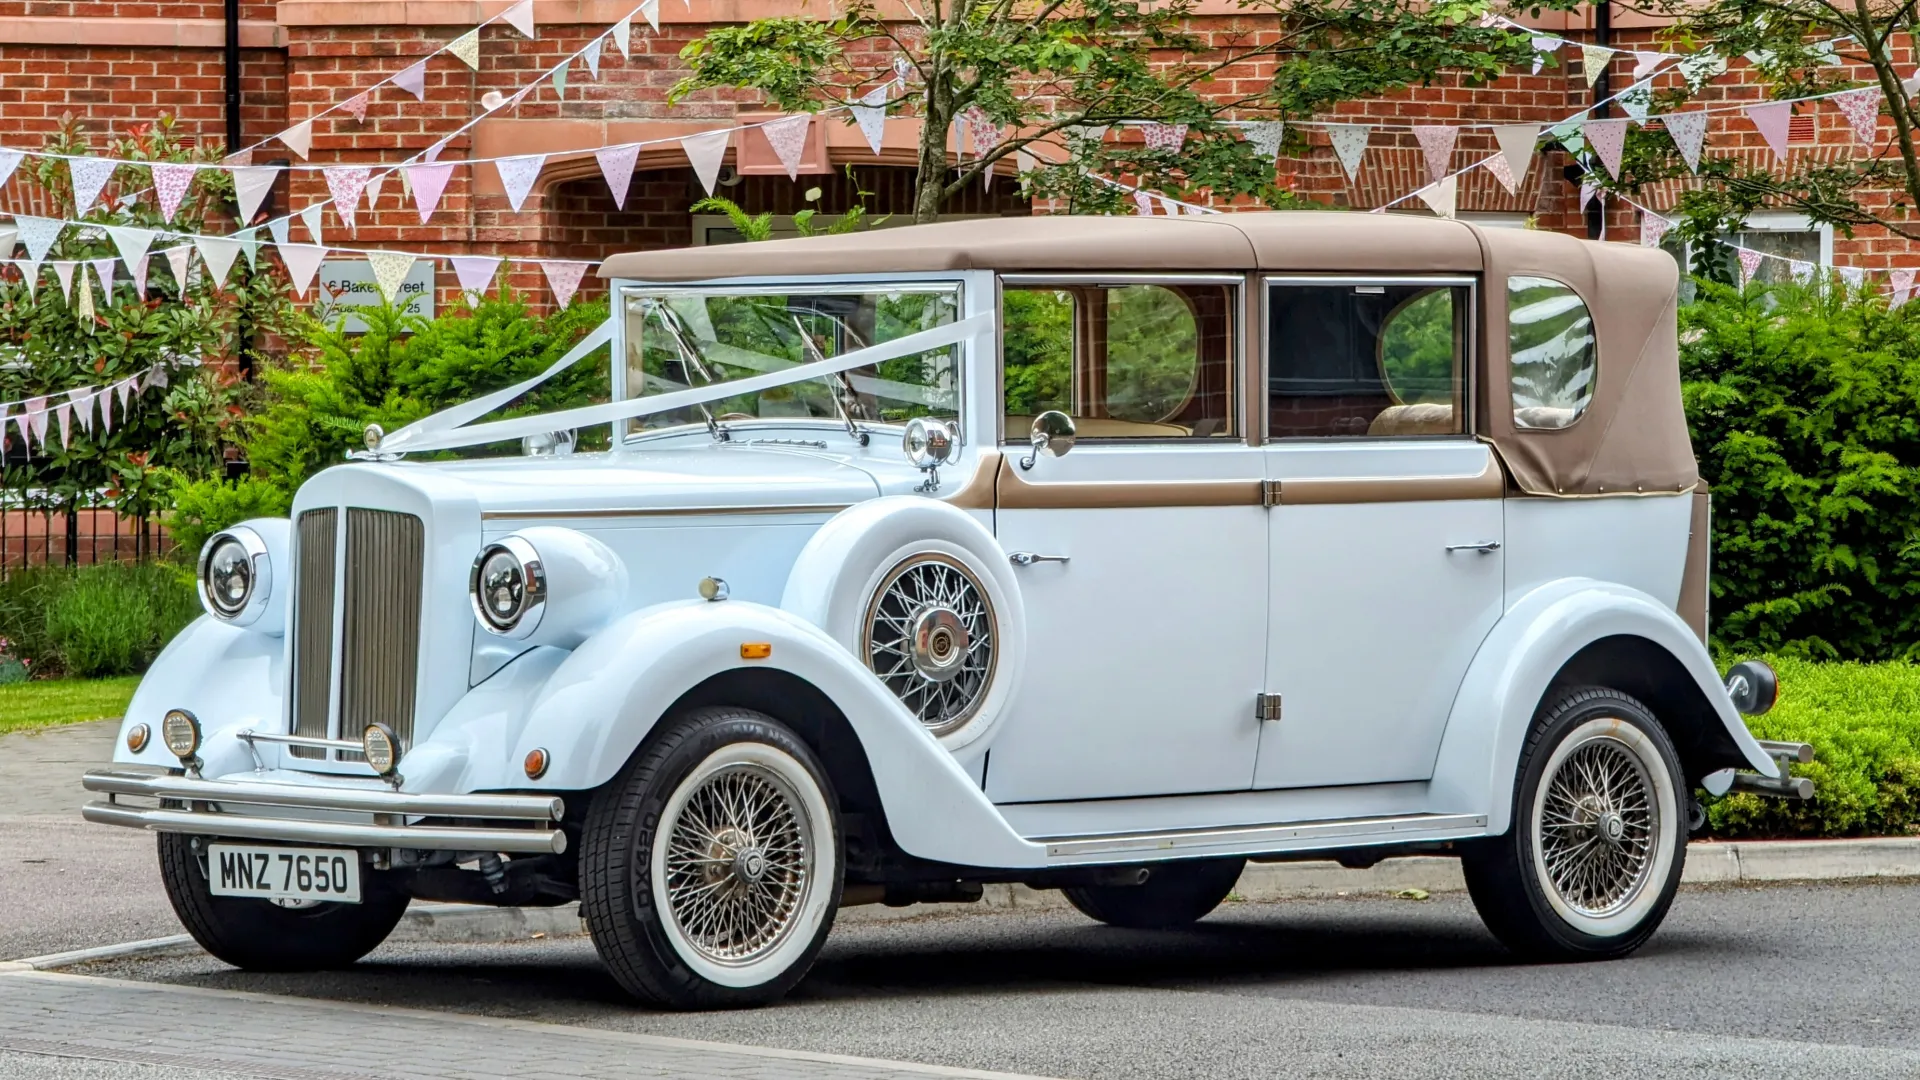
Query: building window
(1789, 236)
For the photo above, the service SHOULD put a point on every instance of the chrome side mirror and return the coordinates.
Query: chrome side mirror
(928, 444)
(1053, 435)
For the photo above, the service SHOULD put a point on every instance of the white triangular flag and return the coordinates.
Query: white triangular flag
(177, 262)
(1516, 143)
(303, 262)
(90, 176)
(63, 412)
(1688, 130)
(250, 187)
(123, 388)
(705, 152)
(1440, 197)
(1349, 145)
(63, 269)
(1544, 47)
(1854, 276)
(871, 115)
(1644, 63)
(218, 252)
(9, 160)
(560, 80)
(278, 228)
(517, 175)
(788, 137)
(310, 217)
(623, 35)
(520, 17)
(592, 56)
(616, 166)
(475, 273)
(390, 269)
(105, 397)
(82, 402)
(133, 245)
(651, 9)
(299, 138)
(374, 185)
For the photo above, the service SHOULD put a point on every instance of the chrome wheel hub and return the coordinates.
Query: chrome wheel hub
(1597, 827)
(930, 636)
(738, 857)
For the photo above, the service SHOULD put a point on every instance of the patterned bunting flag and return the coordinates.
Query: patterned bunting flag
(871, 115)
(1862, 110)
(1349, 145)
(1441, 196)
(1593, 61)
(1142, 203)
(90, 176)
(346, 182)
(517, 175)
(303, 262)
(1636, 102)
(38, 234)
(564, 279)
(1497, 165)
(1749, 264)
(705, 152)
(788, 137)
(428, 183)
(1516, 142)
(299, 138)
(520, 17)
(1854, 276)
(356, 106)
(1544, 47)
(1645, 62)
(250, 187)
(592, 56)
(1773, 120)
(218, 252)
(1436, 145)
(390, 269)
(467, 48)
(1653, 229)
(1167, 137)
(623, 35)
(1801, 269)
(1901, 284)
(1265, 137)
(413, 80)
(475, 273)
(1608, 139)
(616, 166)
(170, 184)
(133, 245)
(1688, 130)
(9, 161)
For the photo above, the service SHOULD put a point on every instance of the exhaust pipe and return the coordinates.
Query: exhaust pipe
(1786, 787)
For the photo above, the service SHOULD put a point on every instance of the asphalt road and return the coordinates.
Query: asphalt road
(1807, 980)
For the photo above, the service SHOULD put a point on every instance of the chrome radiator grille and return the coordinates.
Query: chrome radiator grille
(379, 602)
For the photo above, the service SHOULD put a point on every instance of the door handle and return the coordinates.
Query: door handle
(1028, 558)
(1484, 547)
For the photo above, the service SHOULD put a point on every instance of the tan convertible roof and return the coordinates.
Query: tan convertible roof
(1631, 440)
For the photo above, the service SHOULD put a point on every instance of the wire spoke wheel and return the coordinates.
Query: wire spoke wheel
(738, 863)
(930, 636)
(1598, 826)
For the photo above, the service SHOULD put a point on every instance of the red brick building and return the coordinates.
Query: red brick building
(113, 63)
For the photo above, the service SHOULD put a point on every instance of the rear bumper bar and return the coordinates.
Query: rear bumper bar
(190, 805)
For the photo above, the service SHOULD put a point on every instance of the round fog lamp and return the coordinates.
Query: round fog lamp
(537, 762)
(181, 732)
(382, 748)
(137, 736)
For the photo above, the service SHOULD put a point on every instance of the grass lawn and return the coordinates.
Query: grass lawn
(63, 701)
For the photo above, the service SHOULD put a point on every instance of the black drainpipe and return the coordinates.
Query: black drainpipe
(233, 74)
(1602, 90)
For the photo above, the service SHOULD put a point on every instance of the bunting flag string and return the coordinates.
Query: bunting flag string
(83, 399)
(1655, 226)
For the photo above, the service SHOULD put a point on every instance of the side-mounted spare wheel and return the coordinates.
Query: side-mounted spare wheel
(710, 867)
(261, 935)
(1599, 833)
(1174, 894)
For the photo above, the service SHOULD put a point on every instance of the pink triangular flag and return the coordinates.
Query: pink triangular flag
(564, 279)
(346, 182)
(1436, 144)
(1608, 139)
(1901, 282)
(517, 175)
(37, 419)
(475, 273)
(177, 262)
(1862, 110)
(90, 176)
(413, 80)
(1645, 62)
(356, 106)
(170, 184)
(788, 137)
(428, 183)
(520, 17)
(1497, 165)
(1142, 203)
(1164, 136)
(1688, 130)
(250, 187)
(616, 165)
(303, 262)
(299, 138)
(1749, 263)
(123, 388)
(1653, 229)
(103, 269)
(705, 152)
(105, 398)
(82, 402)
(1773, 119)
(63, 412)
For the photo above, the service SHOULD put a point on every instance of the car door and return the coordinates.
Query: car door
(1386, 563)
(1142, 552)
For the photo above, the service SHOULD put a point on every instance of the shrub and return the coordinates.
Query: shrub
(204, 508)
(110, 619)
(1864, 723)
(1804, 405)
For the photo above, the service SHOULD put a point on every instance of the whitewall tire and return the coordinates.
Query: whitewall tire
(924, 597)
(1599, 838)
(710, 868)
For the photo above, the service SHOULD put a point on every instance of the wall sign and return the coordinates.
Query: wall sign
(346, 284)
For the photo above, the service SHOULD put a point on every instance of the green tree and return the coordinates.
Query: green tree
(1051, 73)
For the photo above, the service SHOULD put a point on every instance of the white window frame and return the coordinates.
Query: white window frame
(1777, 221)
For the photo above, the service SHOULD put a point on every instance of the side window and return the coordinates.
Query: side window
(1551, 352)
(1366, 359)
(1125, 361)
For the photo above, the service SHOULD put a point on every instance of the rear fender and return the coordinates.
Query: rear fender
(1531, 645)
(599, 703)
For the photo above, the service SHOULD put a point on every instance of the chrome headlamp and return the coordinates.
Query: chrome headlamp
(235, 576)
(509, 587)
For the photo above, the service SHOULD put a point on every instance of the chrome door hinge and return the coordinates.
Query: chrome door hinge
(1266, 706)
(1269, 493)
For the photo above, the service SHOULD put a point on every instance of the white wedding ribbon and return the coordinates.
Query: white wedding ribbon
(447, 429)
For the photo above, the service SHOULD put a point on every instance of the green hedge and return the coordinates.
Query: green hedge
(110, 619)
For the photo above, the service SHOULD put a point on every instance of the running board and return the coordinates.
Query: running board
(1261, 839)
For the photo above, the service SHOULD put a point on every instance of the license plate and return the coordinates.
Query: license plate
(282, 873)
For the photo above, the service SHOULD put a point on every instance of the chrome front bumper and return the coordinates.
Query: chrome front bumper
(190, 805)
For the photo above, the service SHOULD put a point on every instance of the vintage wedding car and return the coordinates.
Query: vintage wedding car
(1100, 554)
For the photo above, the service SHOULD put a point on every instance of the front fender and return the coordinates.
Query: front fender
(599, 703)
(229, 677)
(1494, 709)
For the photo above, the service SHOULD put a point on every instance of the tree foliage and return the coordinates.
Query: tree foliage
(1050, 73)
